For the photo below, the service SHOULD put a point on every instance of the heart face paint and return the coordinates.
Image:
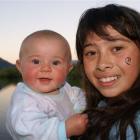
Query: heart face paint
(128, 60)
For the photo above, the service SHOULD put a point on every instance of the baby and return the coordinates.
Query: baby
(44, 106)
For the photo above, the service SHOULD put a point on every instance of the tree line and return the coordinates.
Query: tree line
(11, 75)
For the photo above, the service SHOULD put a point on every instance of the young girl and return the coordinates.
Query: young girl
(108, 48)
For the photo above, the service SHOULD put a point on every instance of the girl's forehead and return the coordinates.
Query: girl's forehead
(110, 35)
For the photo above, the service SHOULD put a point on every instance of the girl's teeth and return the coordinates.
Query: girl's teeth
(108, 79)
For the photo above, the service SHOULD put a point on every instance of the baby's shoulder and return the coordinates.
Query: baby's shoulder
(71, 90)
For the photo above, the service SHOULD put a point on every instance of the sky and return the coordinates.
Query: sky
(19, 18)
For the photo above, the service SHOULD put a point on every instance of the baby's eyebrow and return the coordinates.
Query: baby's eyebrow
(34, 55)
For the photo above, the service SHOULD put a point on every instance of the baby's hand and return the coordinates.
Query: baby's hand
(76, 124)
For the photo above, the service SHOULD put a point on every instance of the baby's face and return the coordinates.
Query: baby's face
(44, 64)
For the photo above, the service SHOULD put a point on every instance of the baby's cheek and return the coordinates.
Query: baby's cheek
(61, 77)
(29, 77)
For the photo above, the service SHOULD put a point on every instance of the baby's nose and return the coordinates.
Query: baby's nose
(46, 67)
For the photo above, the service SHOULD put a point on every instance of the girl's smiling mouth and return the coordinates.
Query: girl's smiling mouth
(107, 81)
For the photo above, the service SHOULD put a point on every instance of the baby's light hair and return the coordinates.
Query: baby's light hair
(45, 34)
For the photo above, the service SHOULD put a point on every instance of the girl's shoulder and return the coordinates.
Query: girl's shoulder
(130, 132)
(137, 119)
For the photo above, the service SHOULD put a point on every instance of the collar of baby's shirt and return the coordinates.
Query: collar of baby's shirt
(55, 94)
(24, 87)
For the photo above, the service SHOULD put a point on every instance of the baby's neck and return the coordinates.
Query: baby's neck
(55, 92)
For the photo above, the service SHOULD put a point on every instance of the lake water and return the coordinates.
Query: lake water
(5, 95)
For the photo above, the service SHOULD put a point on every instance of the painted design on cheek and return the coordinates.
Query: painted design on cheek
(128, 60)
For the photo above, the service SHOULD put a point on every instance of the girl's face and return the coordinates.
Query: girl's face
(112, 66)
(44, 64)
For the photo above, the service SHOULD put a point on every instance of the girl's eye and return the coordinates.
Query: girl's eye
(90, 53)
(35, 61)
(117, 49)
(57, 62)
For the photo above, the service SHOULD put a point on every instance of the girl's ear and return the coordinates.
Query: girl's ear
(18, 65)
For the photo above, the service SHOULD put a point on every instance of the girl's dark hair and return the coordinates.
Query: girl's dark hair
(121, 110)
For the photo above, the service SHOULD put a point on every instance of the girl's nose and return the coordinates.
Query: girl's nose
(104, 63)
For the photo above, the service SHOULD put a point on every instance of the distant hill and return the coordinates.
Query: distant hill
(5, 64)
(74, 62)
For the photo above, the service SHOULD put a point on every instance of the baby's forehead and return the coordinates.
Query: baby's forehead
(38, 37)
(30, 42)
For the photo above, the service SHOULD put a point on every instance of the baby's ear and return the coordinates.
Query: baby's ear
(18, 65)
(70, 67)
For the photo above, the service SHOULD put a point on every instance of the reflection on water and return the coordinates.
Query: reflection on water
(5, 95)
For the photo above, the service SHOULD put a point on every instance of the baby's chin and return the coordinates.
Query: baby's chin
(52, 88)
(47, 91)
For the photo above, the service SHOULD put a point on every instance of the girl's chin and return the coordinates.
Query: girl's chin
(110, 93)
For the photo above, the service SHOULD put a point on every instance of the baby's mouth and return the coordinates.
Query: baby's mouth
(45, 79)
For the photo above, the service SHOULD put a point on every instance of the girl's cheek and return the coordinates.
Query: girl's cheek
(128, 60)
(124, 60)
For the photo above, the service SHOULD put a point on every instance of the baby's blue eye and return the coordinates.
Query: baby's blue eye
(35, 61)
(57, 62)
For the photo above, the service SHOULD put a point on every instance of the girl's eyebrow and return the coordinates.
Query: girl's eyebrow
(117, 38)
(111, 39)
(89, 44)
